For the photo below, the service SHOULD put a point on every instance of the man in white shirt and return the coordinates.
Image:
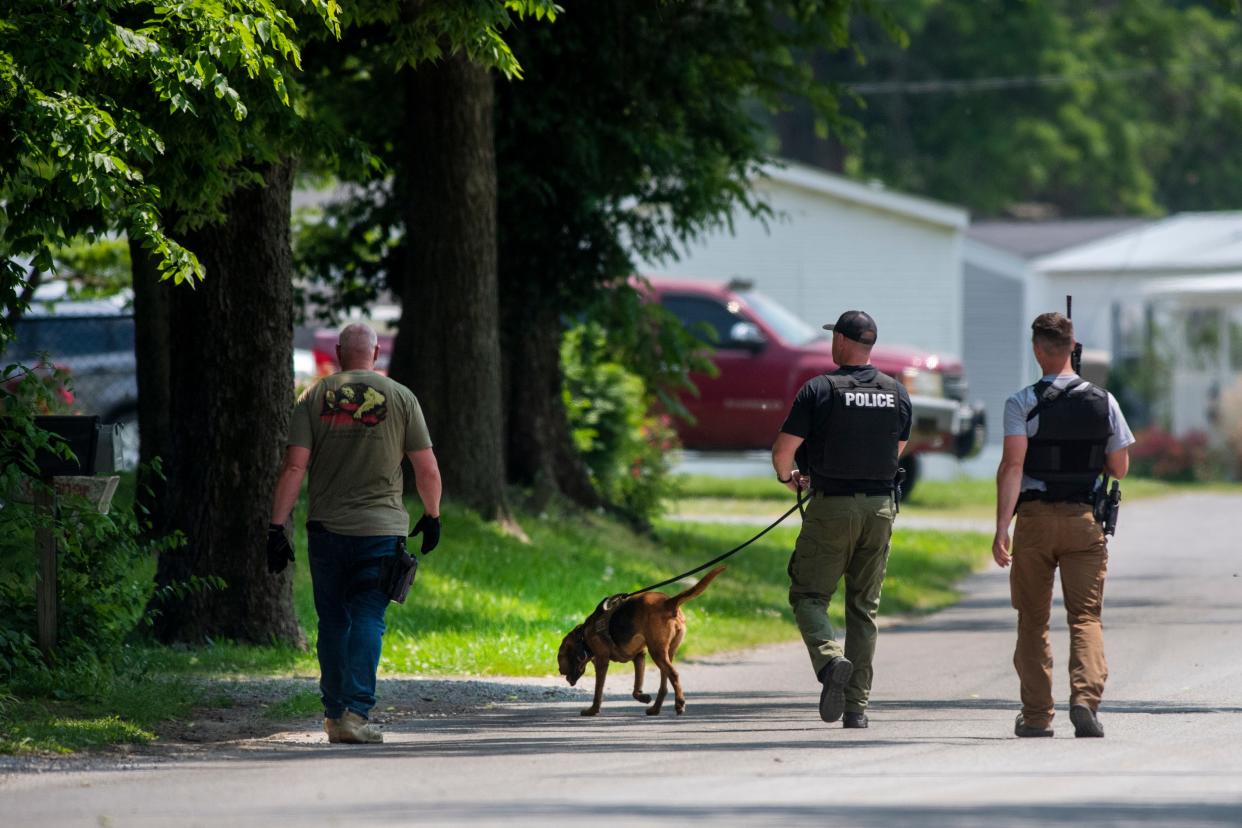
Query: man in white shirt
(1061, 434)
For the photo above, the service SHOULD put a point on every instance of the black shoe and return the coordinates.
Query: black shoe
(834, 677)
(1025, 731)
(1085, 721)
(854, 721)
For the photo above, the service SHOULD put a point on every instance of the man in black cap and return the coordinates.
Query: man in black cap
(842, 438)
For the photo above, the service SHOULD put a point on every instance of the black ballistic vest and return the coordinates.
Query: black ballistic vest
(863, 429)
(1067, 451)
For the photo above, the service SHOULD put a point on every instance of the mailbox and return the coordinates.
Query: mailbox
(82, 435)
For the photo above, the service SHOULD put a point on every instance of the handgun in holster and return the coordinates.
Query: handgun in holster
(397, 573)
(898, 481)
(1106, 503)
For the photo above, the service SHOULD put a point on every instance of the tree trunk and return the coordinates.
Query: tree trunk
(152, 355)
(541, 453)
(231, 394)
(447, 348)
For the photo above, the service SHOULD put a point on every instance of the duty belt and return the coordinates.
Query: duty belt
(1035, 495)
(867, 493)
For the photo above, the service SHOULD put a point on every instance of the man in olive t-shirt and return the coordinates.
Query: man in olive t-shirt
(350, 430)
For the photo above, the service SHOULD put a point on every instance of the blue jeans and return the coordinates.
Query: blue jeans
(344, 573)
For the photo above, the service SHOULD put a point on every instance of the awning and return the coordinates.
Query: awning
(1204, 291)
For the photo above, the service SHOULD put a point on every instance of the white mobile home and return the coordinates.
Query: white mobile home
(1169, 288)
(836, 244)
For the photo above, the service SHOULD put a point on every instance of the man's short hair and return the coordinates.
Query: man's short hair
(1053, 332)
(357, 336)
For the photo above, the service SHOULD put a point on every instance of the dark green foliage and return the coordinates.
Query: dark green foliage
(637, 128)
(104, 561)
(1086, 108)
(625, 445)
(104, 583)
(106, 90)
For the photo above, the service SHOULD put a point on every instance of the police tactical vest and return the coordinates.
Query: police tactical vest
(863, 428)
(1067, 450)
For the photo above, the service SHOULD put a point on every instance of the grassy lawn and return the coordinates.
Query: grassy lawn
(125, 711)
(963, 498)
(486, 603)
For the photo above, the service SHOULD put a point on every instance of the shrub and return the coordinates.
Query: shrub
(104, 577)
(625, 444)
(1160, 455)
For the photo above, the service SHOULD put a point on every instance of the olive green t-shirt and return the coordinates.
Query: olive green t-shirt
(358, 425)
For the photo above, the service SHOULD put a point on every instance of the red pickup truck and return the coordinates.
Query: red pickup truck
(764, 353)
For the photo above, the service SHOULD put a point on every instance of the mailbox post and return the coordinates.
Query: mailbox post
(45, 542)
(82, 436)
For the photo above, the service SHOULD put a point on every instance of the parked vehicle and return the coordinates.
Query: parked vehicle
(92, 342)
(764, 354)
(325, 352)
(382, 317)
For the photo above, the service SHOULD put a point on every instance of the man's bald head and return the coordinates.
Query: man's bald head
(357, 348)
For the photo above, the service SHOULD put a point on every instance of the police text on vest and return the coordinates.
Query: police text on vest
(870, 399)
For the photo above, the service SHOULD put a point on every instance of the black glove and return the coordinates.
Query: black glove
(430, 527)
(279, 549)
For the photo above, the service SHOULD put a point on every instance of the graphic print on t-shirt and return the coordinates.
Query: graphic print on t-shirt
(354, 402)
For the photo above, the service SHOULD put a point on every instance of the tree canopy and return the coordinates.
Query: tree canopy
(1131, 107)
(87, 105)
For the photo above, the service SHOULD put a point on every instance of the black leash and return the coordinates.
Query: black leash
(797, 507)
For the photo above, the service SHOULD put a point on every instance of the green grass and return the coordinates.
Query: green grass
(729, 488)
(961, 498)
(125, 711)
(486, 603)
(298, 706)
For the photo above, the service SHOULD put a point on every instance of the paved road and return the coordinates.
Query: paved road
(751, 750)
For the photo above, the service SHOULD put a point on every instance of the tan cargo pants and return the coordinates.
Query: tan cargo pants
(847, 536)
(1051, 536)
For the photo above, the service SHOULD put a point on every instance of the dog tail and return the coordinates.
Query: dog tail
(696, 590)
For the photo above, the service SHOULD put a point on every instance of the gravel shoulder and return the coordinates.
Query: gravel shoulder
(242, 718)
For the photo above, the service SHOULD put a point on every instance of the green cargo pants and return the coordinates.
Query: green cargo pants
(842, 535)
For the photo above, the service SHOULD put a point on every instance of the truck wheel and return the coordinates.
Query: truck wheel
(911, 464)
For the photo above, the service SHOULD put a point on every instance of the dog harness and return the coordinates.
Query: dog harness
(597, 625)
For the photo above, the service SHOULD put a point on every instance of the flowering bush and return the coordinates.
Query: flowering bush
(1159, 454)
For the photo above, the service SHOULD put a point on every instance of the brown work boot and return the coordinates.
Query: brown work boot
(1025, 731)
(352, 729)
(1086, 723)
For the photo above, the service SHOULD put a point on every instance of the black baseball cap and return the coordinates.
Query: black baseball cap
(856, 325)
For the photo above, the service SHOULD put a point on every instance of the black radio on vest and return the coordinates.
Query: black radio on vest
(1076, 353)
(865, 420)
(1067, 450)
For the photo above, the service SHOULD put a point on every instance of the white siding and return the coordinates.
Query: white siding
(1094, 296)
(820, 256)
(995, 340)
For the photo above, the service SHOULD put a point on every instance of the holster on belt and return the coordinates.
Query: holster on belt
(397, 573)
